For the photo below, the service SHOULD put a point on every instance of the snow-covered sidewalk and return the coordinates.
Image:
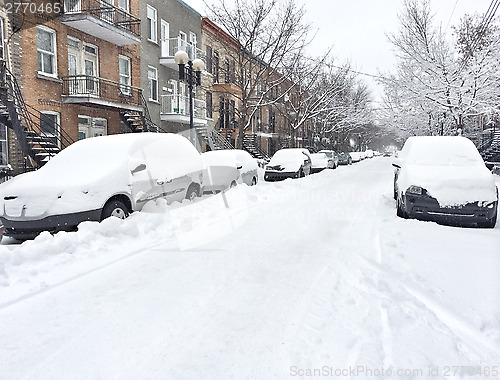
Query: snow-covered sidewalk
(306, 278)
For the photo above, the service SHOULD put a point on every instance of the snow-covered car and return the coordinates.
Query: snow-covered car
(369, 153)
(444, 179)
(99, 177)
(345, 158)
(355, 156)
(320, 161)
(220, 177)
(288, 163)
(333, 155)
(240, 159)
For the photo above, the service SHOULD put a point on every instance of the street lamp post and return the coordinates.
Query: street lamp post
(189, 72)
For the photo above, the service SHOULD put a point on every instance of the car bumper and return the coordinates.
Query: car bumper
(428, 208)
(279, 176)
(29, 229)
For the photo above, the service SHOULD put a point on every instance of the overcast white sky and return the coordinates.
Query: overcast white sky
(357, 28)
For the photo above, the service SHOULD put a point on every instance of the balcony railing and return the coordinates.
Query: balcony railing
(170, 46)
(92, 88)
(179, 105)
(106, 12)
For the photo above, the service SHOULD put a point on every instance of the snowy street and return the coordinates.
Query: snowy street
(307, 278)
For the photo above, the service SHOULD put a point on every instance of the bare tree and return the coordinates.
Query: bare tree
(440, 85)
(272, 36)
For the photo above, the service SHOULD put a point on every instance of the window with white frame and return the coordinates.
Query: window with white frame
(153, 83)
(1, 38)
(4, 155)
(152, 16)
(125, 77)
(49, 126)
(46, 49)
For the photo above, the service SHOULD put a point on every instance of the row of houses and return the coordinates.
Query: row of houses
(107, 67)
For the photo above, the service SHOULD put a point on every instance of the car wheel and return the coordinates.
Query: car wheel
(254, 181)
(301, 173)
(192, 192)
(490, 223)
(233, 184)
(114, 208)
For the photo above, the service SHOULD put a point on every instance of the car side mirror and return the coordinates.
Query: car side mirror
(397, 163)
(138, 168)
(239, 166)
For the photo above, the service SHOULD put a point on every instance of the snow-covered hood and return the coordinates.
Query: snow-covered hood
(34, 195)
(286, 160)
(451, 185)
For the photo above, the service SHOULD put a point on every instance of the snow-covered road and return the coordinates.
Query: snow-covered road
(306, 278)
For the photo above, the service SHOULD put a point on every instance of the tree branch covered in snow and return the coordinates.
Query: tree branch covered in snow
(441, 85)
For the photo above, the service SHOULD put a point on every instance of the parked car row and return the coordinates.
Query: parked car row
(115, 175)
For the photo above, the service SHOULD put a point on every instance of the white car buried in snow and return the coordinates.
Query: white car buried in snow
(444, 179)
(288, 163)
(100, 177)
(236, 158)
(321, 161)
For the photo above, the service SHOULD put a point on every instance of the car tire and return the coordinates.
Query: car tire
(301, 173)
(233, 184)
(192, 192)
(114, 208)
(490, 223)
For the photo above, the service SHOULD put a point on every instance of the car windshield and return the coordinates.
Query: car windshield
(441, 151)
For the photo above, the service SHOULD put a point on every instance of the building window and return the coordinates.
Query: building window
(46, 48)
(91, 127)
(4, 155)
(49, 126)
(1, 38)
(125, 77)
(152, 24)
(216, 66)
(221, 113)
(226, 71)
(209, 104)
(208, 59)
(153, 83)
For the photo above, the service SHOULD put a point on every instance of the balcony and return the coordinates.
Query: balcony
(175, 108)
(89, 90)
(170, 46)
(102, 20)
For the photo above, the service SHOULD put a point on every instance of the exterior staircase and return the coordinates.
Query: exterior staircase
(250, 145)
(490, 150)
(139, 121)
(38, 146)
(212, 138)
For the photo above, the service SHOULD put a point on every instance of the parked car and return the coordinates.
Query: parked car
(333, 155)
(345, 158)
(320, 161)
(355, 156)
(369, 153)
(240, 159)
(100, 177)
(288, 163)
(444, 179)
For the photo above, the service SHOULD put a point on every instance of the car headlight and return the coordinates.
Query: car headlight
(416, 190)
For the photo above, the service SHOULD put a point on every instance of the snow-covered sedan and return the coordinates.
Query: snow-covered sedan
(237, 158)
(288, 163)
(320, 161)
(444, 179)
(333, 155)
(99, 177)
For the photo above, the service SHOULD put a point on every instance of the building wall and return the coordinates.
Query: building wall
(180, 18)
